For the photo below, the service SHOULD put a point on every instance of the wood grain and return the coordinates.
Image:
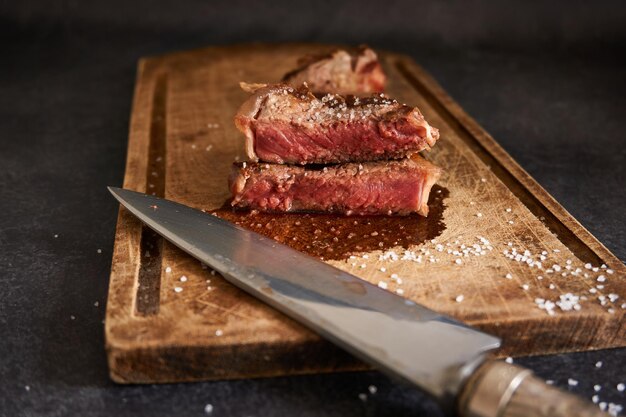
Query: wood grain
(182, 142)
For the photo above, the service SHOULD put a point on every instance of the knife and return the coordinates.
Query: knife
(443, 357)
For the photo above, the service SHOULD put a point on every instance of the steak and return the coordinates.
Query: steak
(290, 125)
(340, 72)
(392, 187)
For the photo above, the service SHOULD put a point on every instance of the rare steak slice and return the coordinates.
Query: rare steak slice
(396, 187)
(283, 124)
(342, 72)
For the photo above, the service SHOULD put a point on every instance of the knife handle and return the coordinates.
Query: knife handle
(498, 389)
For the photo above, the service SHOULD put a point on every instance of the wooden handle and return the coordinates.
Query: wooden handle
(498, 389)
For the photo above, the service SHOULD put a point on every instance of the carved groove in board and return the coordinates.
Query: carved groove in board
(556, 226)
(149, 277)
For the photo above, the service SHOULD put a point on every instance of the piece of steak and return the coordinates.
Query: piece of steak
(396, 187)
(295, 126)
(341, 72)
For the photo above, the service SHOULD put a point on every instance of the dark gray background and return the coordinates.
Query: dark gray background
(545, 78)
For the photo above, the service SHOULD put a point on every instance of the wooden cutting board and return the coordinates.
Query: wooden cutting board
(168, 319)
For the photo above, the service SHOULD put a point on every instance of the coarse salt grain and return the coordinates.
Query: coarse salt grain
(363, 397)
(399, 291)
(219, 332)
(508, 276)
(599, 364)
(459, 298)
(372, 389)
(208, 409)
(620, 387)
(479, 215)
(458, 262)
(178, 289)
(168, 269)
(509, 360)
(99, 251)
(572, 382)
(597, 388)
(614, 409)
(382, 284)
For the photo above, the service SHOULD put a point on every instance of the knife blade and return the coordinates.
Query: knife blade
(438, 354)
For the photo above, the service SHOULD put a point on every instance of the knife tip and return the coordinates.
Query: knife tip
(115, 191)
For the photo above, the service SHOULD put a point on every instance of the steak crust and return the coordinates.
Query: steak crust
(397, 187)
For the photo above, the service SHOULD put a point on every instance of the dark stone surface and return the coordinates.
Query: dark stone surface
(547, 80)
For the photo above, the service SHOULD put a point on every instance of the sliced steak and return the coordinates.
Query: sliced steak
(391, 187)
(341, 72)
(295, 126)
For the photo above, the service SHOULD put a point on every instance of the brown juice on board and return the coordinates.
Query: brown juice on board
(333, 236)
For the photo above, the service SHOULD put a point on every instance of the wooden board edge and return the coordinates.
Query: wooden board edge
(126, 248)
(168, 364)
